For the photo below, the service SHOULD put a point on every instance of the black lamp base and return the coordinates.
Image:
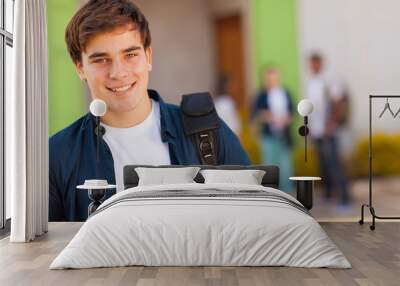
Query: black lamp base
(305, 193)
(96, 196)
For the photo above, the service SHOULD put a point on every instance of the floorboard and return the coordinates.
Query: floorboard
(374, 255)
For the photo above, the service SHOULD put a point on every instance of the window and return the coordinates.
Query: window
(6, 63)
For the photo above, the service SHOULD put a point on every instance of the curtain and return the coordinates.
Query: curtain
(26, 124)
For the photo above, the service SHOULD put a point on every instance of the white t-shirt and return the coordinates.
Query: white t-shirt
(317, 94)
(140, 144)
(278, 104)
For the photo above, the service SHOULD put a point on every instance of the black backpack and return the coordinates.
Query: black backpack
(200, 123)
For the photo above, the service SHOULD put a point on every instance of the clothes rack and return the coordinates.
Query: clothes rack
(369, 205)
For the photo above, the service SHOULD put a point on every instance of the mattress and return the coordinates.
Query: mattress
(201, 225)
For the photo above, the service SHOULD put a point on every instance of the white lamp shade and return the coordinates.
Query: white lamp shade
(98, 107)
(305, 107)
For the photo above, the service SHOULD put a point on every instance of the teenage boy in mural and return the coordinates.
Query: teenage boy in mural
(109, 42)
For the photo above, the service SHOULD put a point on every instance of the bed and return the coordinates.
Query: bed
(201, 224)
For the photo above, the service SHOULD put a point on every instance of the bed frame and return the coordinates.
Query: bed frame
(270, 179)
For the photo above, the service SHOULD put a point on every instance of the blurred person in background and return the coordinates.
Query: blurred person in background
(225, 105)
(273, 108)
(330, 112)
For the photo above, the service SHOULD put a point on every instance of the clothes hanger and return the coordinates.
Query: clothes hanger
(387, 107)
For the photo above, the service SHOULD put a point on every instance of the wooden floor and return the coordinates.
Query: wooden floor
(386, 200)
(374, 255)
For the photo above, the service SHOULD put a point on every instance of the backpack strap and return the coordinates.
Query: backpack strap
(200, 122)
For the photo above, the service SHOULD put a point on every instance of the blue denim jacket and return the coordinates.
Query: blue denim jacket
(72, 155)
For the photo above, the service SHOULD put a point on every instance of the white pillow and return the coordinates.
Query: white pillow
(248, 177)
(163, 176)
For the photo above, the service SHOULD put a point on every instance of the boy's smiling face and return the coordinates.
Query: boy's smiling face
(116, 67)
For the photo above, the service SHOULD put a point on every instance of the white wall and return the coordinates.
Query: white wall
(361, 43)
(183, 46)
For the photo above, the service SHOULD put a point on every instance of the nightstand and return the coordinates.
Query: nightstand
(96, 191)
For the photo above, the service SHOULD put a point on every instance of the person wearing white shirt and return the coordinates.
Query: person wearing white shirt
(274, 109)
(323, 124)
(109, 43)
(225, 105)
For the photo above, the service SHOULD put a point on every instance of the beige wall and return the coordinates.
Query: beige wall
(183, 46)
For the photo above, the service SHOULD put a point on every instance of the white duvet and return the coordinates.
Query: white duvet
(185, 231)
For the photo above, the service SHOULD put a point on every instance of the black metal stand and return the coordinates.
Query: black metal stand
(305, 193)
(97, 197)
(369, 205)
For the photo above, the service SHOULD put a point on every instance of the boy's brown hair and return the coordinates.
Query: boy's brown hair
(99, 16)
